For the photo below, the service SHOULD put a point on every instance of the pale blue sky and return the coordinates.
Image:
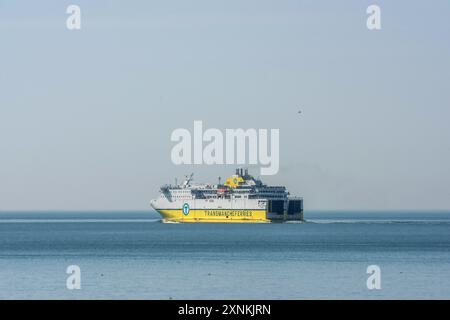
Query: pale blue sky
(86, 116)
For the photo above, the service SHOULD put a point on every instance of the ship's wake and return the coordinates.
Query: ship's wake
(357, 221)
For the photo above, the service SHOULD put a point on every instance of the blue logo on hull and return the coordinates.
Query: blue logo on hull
(186, 209)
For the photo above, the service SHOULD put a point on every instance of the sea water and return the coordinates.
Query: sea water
(132, 255)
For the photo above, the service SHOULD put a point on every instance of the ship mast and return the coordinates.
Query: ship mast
(188, 180)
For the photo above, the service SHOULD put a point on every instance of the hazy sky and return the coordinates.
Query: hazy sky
(86, 116)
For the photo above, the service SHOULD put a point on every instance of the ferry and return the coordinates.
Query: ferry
(242, 198)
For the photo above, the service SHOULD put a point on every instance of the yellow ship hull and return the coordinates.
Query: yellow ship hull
(214, 215)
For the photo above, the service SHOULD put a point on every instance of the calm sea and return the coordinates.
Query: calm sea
(131, 255)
